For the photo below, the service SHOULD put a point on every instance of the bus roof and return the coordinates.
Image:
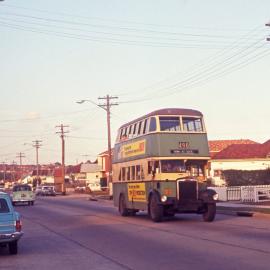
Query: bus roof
(167, 111)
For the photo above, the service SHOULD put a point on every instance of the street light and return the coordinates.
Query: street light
(105, 107)
(88, 100)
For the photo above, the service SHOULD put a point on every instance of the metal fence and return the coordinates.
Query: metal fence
(244, 193)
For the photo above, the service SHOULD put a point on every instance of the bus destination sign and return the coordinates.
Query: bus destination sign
(184, 148)
(185, 151)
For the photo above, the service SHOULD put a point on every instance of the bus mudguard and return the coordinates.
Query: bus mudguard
(208, 196)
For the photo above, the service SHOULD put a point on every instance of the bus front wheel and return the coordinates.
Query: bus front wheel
(210, 212)
(155, 210)
(122, 206)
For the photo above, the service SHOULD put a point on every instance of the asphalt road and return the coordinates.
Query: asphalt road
(72, 232)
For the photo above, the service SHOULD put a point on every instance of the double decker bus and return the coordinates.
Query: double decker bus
(160, 165)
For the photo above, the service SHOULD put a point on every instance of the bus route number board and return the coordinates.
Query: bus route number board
(136, 192)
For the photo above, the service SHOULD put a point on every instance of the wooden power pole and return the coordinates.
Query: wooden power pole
(20, 156)
(107, 106)
(37, 145)
(62, 133)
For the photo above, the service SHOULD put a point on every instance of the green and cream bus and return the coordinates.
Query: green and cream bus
(160, 164)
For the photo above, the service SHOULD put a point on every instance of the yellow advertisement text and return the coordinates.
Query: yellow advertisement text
(136, 192)
(133, 149)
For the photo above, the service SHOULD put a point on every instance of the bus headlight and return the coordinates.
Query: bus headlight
(215, 197)
(164, 198)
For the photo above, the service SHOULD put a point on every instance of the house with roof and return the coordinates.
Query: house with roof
(216, 146)
(241, 155)
(92, 172)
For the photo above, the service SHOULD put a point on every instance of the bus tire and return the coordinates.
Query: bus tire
(210, 213)
(122, 206)
(155, 210)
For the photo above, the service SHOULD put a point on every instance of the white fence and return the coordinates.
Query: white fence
(244, 193)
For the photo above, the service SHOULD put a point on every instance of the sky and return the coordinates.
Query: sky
(212, 56)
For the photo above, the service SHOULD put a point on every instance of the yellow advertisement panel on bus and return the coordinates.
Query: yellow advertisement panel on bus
(133, 149)
(136, 192)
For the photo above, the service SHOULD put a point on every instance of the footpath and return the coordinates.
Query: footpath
(230, 208)
(243, 209)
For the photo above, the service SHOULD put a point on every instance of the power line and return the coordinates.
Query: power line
(114, 40)
(45, 117)
(128, 29)
(205, 63)
(134, 37)
(212, 70)
(65, 14)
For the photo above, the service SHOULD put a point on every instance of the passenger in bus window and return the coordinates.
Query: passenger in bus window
(166, 167)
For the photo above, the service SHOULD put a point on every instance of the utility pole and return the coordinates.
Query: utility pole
(20, 156)
(37, 145)
(13, 170)
(268, 24)
(62, 136)
(107, 106)
(4, 170)
(85, 156)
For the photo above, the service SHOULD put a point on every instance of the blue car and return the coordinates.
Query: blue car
(10, 224)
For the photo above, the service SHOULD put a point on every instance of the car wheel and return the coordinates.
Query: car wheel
(210, 212)
(13, 247)
(155, 210)
(122, 206)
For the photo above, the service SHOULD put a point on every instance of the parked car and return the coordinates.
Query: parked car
(94, 187)
(23, 193)
(2, 187)
(10, 224)
(45, 191)
(80, 189)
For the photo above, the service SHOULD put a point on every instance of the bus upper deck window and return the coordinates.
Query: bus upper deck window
(145, 126)
(140, 128)
(170, 123)
(135, 129)
(153, 124)
(192, 124)
(129, 131)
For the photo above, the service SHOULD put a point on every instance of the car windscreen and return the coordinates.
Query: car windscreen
(21, 188)
(3, 206)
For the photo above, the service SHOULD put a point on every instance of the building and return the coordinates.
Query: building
(92, 172)
(241, 155)
(216, 146)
